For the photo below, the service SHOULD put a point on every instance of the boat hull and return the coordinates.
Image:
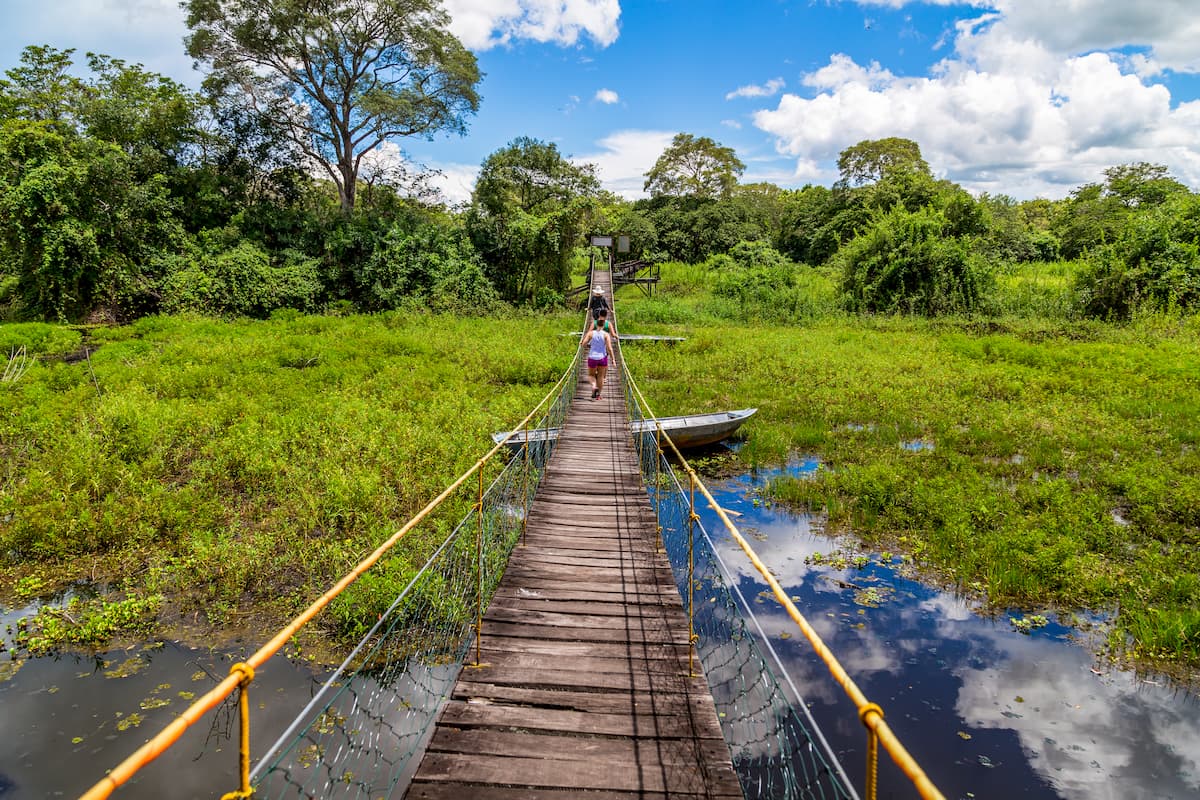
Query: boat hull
(692, 430)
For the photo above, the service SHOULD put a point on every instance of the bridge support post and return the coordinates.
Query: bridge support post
(692, 517)
(245, 790)
(479, 571)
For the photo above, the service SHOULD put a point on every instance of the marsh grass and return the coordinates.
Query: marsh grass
(1065, 467)
(237, 469)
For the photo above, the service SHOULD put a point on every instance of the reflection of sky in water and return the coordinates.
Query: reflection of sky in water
(984, 709)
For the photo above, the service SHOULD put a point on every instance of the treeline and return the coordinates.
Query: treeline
(124, 193)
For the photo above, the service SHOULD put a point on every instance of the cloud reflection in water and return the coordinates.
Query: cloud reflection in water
(981, 706)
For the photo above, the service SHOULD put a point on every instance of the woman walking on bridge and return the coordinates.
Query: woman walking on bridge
(598, 343)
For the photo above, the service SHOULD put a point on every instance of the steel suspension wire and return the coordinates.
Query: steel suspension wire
(870, 714)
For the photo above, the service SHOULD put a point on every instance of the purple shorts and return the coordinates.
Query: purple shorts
(597, 362)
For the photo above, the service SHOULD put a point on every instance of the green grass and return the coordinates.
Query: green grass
(1065, 468)
(239, 468)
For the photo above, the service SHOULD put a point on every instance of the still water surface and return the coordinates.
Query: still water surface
(988, 712)
(66, 720)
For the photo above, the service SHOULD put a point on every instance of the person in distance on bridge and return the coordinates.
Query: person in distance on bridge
(600, 320)
(598, 343)
(597, 302)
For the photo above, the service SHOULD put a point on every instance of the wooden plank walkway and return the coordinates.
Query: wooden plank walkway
(584, 688)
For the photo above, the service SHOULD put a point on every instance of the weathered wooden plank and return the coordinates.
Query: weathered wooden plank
(676, 703)
(578, 775)
(448, 790)
(604, 749)
(593, 622)
(579, 588)
(601, 575)
(640, 726)
(560, 654)
(585, 634)
(599, 674)
(603, 609)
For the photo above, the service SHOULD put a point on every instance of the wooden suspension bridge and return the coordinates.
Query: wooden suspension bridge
(585, 680)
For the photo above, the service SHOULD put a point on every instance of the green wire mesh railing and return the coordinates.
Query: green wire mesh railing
(359, 733)
(777, 749)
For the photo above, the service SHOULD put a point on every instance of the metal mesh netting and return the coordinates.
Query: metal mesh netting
(357, 736)
(777, 749)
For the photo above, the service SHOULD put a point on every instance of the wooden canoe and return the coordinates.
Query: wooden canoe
(691, 430)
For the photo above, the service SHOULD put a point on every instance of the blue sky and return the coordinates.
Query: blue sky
(1021, 97)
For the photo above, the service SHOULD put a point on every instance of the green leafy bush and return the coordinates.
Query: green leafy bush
(906, 263)
(241, 281)
(410, 263)
(1154, 263)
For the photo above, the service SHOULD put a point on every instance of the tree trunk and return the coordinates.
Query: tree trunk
(346, 191)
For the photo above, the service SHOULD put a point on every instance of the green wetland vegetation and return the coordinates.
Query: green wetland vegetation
(236, 363)
(209, 477)
(218, 476)
(1038, 463)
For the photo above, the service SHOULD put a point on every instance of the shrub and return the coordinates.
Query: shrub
(410, 263)
(905, 263)
(462, 288)
(1154, 263)
(241, 281)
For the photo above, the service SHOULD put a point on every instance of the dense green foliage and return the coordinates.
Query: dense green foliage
(694, 166)
(124, 194)
(529, 216)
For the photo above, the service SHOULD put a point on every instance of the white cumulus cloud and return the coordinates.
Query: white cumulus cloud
(768, 89)
(607, 96)
(482, 24)
(624, 159)
(1169, 28)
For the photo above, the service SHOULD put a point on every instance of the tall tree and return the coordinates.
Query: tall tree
(528, 214)
(41, 88)
(345, 75)
(694, 167)
(1141, 185)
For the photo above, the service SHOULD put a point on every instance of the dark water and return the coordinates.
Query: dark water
(65, 721)
(988, 712)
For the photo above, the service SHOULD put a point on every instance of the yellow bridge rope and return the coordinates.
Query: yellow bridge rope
(869, 713)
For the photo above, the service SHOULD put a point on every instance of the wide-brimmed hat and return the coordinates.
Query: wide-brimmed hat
(597, 290)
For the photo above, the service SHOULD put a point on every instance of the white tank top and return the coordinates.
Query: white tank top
(597, 350)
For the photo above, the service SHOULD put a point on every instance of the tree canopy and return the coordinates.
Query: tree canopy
(873, 160)
(694, 167)
(345, 76)
(528, 213)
